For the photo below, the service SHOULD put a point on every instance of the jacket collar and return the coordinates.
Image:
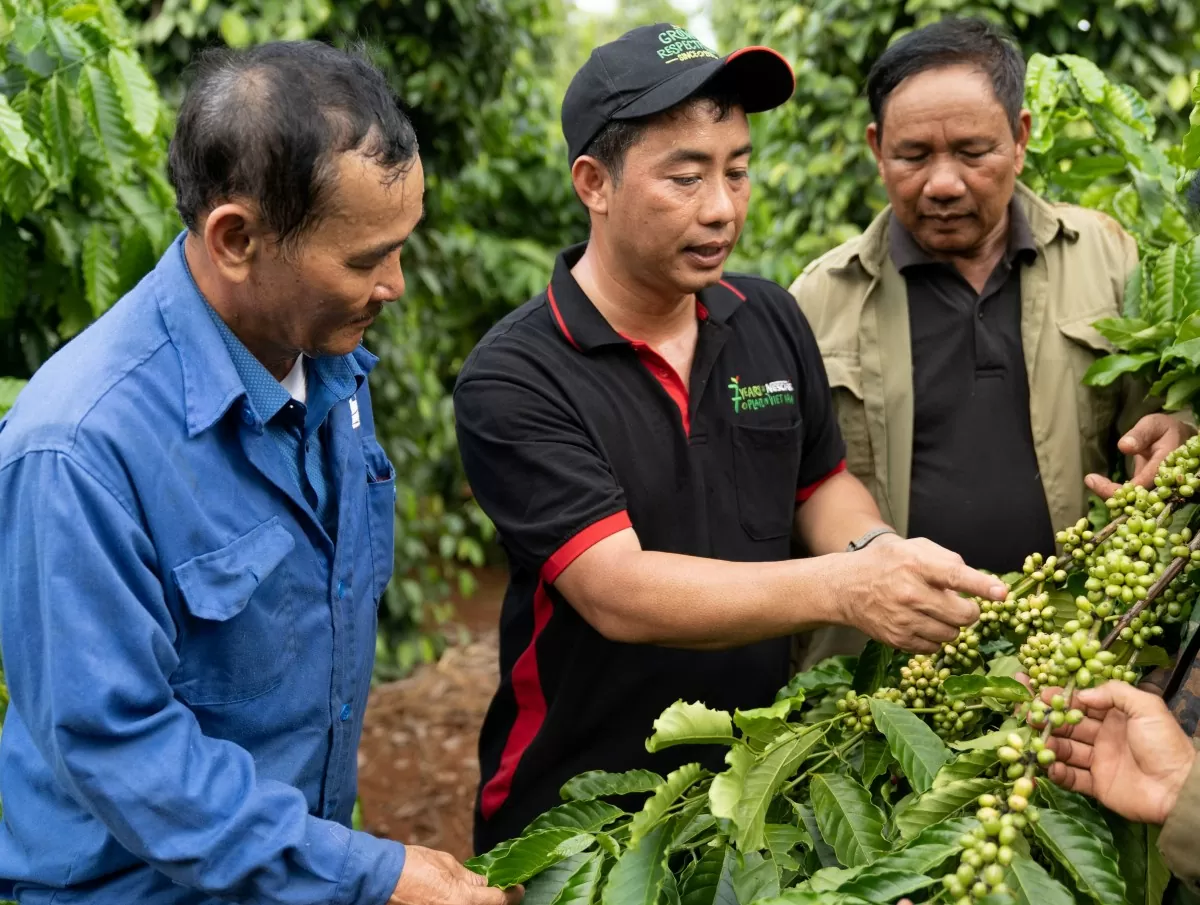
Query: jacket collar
(211, 382)
(1047, 223)
(584, 327)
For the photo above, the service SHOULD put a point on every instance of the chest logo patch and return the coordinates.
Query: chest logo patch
(760, 395)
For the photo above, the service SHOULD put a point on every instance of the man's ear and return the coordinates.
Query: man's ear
(875, 146)
(593, 183)
(233, 239)
(1024, 127)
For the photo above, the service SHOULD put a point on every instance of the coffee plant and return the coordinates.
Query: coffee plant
(887, 775)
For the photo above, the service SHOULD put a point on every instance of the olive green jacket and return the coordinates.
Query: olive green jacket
(1179, 841)
(857, 303)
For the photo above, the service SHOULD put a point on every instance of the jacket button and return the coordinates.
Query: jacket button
(345, 714)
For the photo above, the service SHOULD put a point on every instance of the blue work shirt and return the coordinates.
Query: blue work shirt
(189, 653)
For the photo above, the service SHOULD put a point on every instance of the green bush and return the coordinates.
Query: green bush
(816, 184)
(84, 206)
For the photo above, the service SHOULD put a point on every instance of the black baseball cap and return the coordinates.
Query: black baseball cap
(653, 68)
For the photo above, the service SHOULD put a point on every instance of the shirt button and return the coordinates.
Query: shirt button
(341, 589)
(345, 714)
(247, 415)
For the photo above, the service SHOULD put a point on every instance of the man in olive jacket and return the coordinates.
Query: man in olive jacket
(957, 328)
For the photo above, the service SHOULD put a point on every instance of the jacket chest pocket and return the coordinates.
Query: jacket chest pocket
(845, 384)
(1082, 345)
(766, 465)
(237, 639)
(381, 515)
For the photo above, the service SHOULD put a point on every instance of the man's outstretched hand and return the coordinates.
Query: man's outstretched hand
(1149, 442)
(436, 878)
(1128, 752)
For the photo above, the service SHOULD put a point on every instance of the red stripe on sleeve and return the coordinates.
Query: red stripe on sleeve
(576, 546)
(805, 492)
(531, 711)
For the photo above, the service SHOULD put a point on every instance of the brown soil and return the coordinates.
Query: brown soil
(417, 765)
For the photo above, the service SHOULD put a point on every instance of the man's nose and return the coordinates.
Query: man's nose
(944, 182)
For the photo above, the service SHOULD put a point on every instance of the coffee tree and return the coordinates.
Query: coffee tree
(84, 206)
(890, 775)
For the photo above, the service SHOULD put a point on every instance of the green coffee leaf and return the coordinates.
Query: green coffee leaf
(661, 801)
(135, 88)
(480, 863)
(874, 664)
(711, 883)
(14, 267)
(690, 724)
(782, 840)
(637, 877)
(529, 855)
(755, 878)
(1077, 806)
(824, 851)
(917, 859)
(1107, 369)
(102, 110)
(825, 676)
(1031, 885)
(1129, 840)
(762, 782)
(57, 130)
(547, 887)
(807, 897)
(974, 686)
(848, 818)
(885, 886)
(725, 791)
(767, 723)
(939, 803)
(965, 766)
(1090, 861)
(693, 820)
(1088, 76)
(100, 278)
(587, 816)
(600, 784)
(1158, 875)
(235, 29)
(947, 833)
(918, 749)
(877, 759)
(14, 140)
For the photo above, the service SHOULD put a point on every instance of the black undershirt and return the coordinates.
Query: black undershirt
(976, 488)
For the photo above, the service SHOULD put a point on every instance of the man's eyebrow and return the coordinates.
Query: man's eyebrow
(911, 144)
(692, 155)
(744, 150)
(384, 249)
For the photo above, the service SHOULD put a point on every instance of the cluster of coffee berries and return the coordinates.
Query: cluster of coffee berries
(1077, 541)
(1016, 756)
(858, 708)
(1178, 472)
(987, 849)
(1057, 715)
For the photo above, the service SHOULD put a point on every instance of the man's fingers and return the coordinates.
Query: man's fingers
(1101, 486)
(1071, 778)
(1124, 697)
(966, 580)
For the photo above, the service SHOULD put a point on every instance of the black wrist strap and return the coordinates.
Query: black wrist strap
(861, 542)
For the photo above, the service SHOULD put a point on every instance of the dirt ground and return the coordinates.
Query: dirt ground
(417, 764)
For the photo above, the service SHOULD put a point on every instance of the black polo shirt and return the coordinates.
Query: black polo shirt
(569, 433)
(976, 485)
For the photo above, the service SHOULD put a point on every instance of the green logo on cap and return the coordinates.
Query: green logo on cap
(679, 45)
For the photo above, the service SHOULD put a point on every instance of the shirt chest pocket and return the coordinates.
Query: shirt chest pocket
(1080, 347)
(766, 463)
(381, 514)
(237, 639)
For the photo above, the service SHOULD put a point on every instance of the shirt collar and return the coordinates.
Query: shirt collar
(214, 378)
(584, 327)
(905, 251)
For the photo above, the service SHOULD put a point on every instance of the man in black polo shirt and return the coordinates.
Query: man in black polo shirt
(648, 437)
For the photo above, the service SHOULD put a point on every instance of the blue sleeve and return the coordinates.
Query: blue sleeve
(88, 648)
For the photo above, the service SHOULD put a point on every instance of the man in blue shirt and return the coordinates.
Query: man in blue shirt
(198, 525)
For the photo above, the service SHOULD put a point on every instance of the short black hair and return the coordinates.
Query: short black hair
(265, 124)
(952, 41)
(613, 142)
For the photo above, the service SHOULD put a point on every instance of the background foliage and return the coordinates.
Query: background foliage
(815, 178)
